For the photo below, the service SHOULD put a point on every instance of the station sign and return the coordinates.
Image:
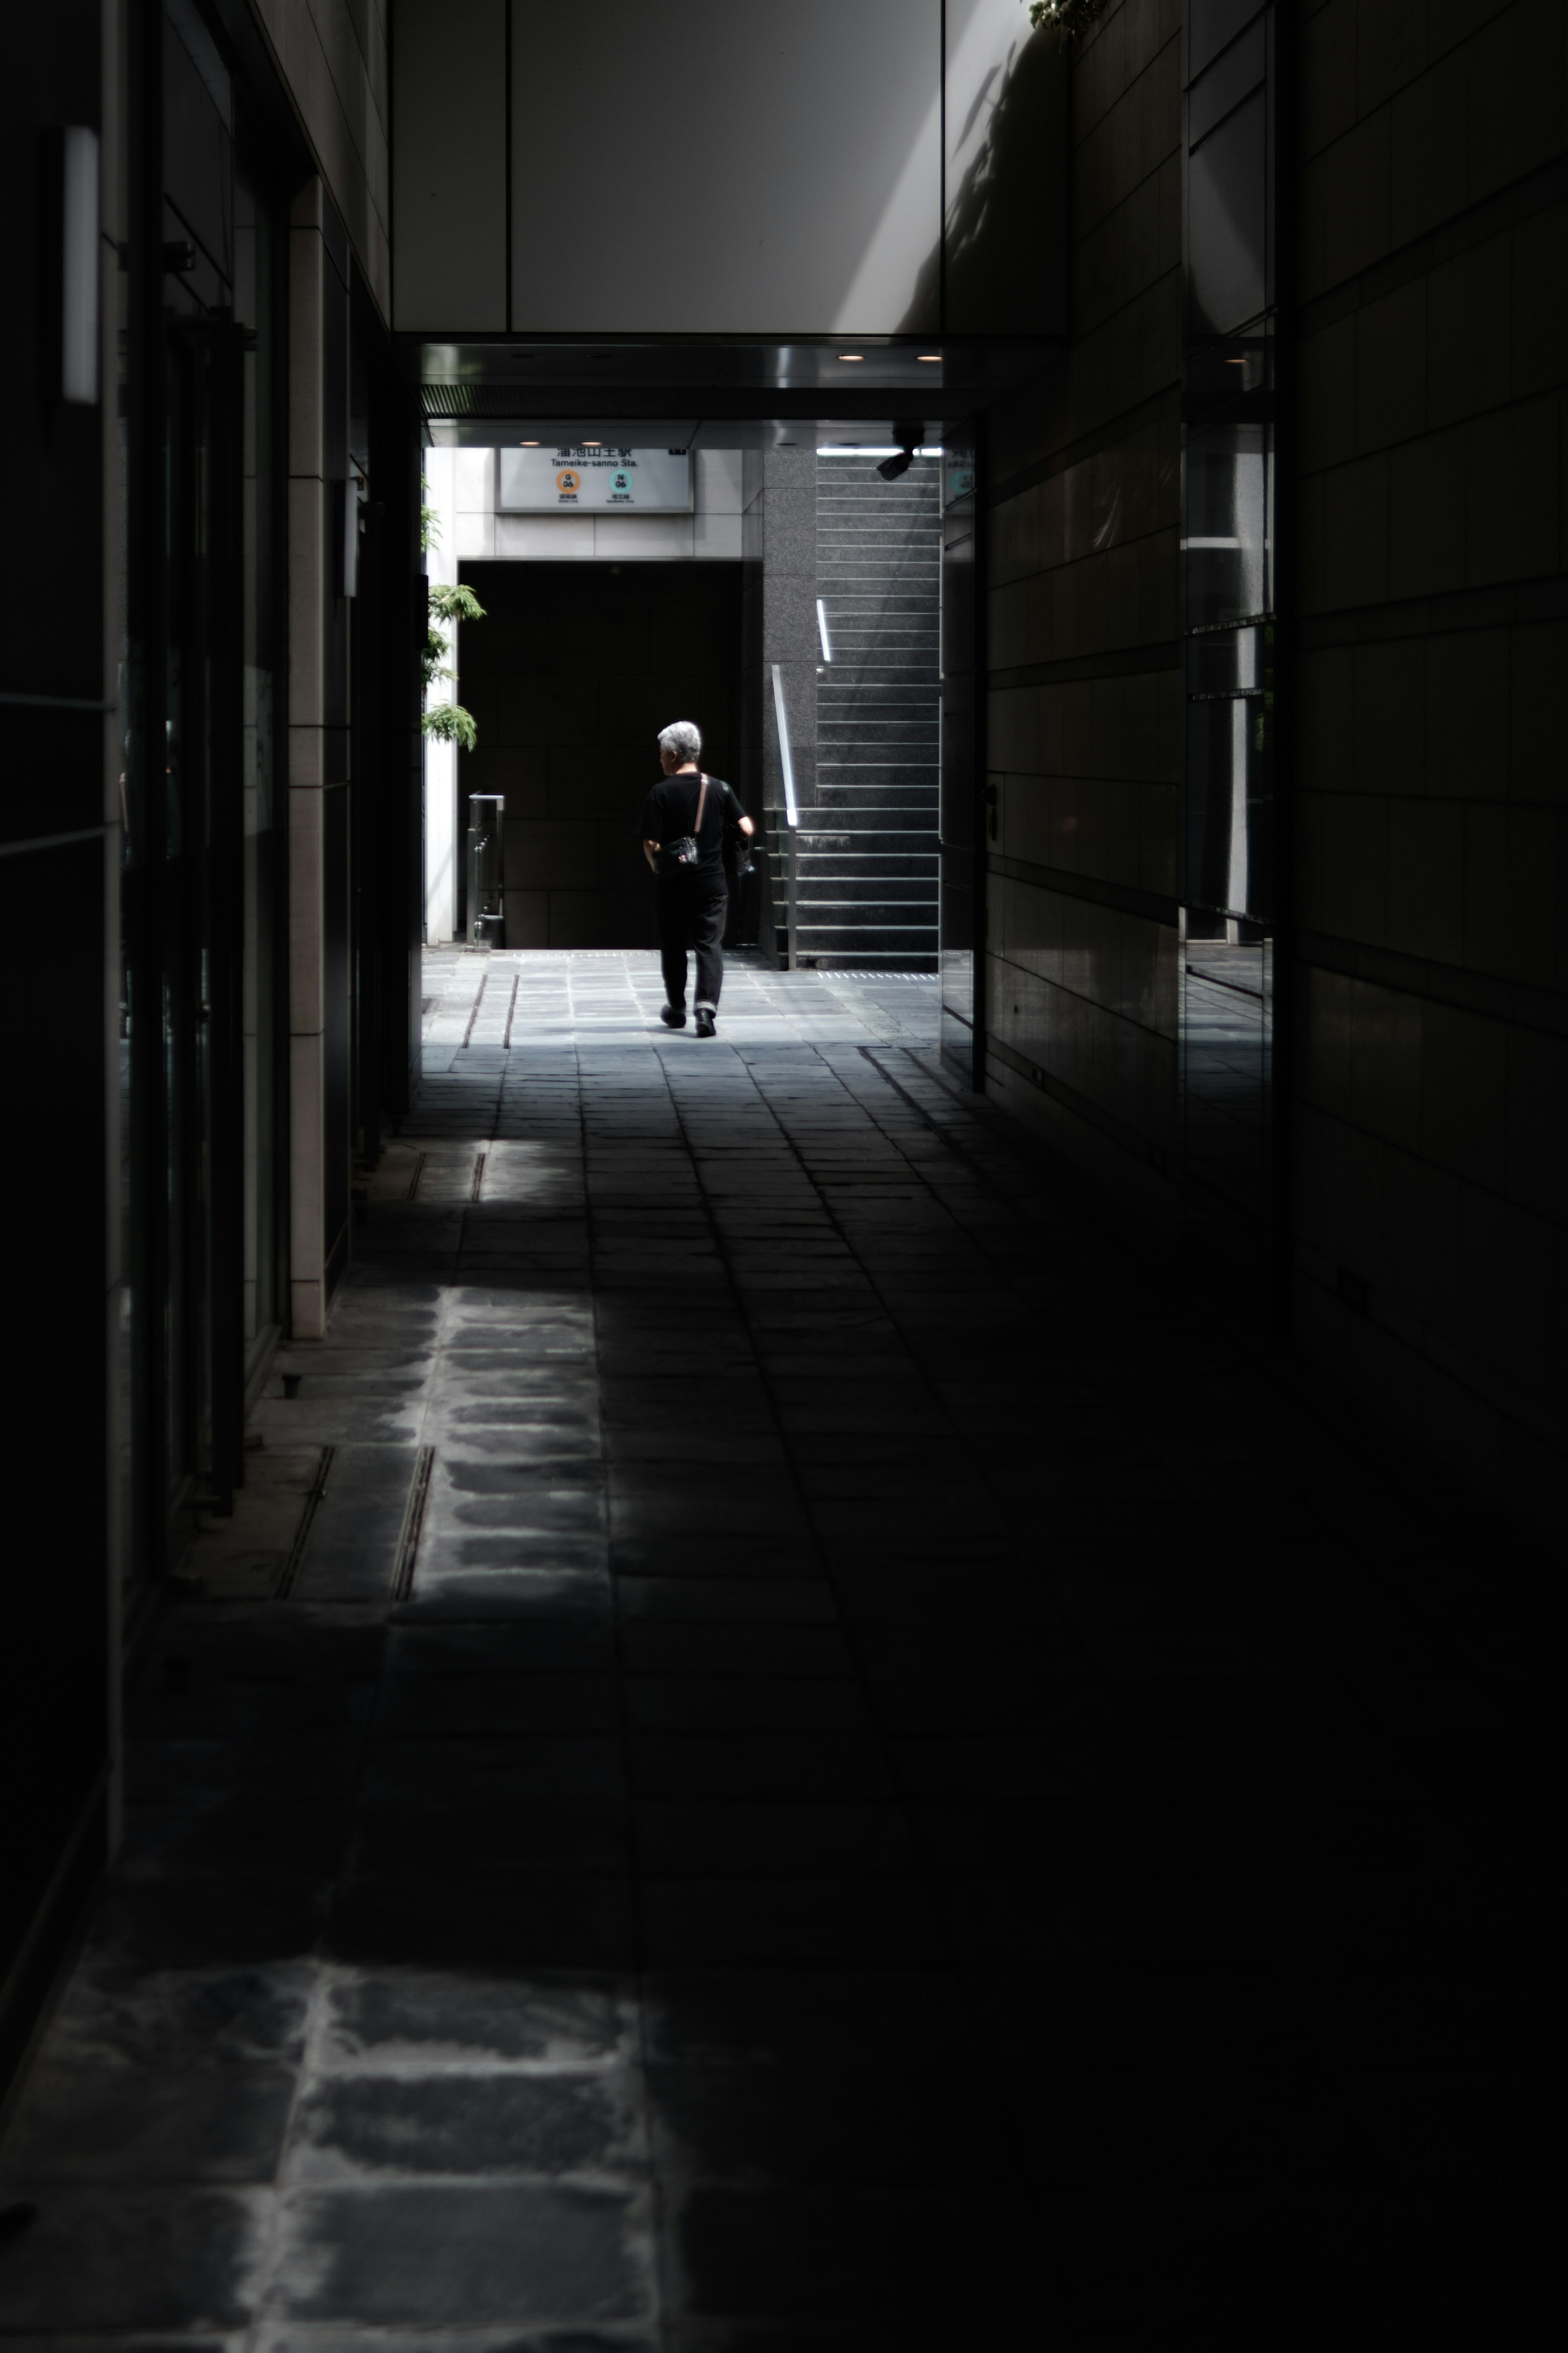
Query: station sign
(596, 480)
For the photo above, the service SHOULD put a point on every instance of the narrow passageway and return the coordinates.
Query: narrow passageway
(831, 1764)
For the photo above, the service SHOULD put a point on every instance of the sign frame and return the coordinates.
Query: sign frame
(595, 479)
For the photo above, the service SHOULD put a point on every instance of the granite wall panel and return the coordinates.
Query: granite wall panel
(1084, 709)
(1431, 828)
(1433, 1069)
(1429, 812)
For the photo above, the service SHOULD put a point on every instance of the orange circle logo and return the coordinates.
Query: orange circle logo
(568, 484)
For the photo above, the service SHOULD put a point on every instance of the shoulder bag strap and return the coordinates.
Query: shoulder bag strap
(697, 828)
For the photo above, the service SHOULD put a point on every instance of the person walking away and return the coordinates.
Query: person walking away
(683, 824)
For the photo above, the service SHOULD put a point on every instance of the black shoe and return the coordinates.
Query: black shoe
(706, 1023)
(673, 1015)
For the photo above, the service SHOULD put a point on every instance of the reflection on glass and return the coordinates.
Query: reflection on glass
(1226, 223)
(959, 750)
(1227, 539)
(1228, 791)
(1228, 1031)
(1229, 194)
(1227, 910)
(1230, 802)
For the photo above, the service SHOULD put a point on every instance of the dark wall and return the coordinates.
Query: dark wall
(569, 677)
(57, 864)
(385, 767)
(1406, 1171)
(1431, 1112)
(1081, 988)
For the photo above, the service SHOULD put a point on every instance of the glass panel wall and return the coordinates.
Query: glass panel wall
(1228, 978)
(1228, 913)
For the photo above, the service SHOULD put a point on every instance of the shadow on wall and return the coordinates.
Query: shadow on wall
(576, 669)
(1004, 232)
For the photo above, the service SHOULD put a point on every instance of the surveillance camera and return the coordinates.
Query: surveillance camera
(909, 433)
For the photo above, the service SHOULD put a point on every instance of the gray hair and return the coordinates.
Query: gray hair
(683, 738)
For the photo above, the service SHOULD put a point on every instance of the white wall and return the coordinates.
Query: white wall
(777, 168)
(703, 166)
(712, 530)
(726, 166)
(441, 844)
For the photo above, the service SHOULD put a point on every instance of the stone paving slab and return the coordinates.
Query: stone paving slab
(914, 1797)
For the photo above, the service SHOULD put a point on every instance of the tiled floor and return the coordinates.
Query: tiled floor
(913, 1800)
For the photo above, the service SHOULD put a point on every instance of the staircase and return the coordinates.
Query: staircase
(867, 851)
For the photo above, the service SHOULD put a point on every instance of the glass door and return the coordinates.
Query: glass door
(200, 904)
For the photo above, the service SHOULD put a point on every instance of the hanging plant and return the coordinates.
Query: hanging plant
(1067, 18)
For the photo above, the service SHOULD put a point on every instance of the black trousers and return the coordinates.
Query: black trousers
(692, 914)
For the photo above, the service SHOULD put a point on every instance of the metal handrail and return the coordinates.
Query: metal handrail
(792, 816)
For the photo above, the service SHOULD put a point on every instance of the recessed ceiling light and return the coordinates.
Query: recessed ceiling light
(528, 445)
(590, 445)
(935, 356)
(851, 355)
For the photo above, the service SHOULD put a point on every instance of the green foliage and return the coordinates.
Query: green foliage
(1066, 17)
(446, 601)
(450, 724)
(450, 601)
(432, 661)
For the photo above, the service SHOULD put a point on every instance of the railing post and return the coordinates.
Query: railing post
(791, 818)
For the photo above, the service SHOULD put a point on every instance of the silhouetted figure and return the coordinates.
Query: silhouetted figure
(683, 840)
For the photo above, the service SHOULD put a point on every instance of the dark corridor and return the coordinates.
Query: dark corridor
(784, 1800)
(569, 677)
(888, 1680)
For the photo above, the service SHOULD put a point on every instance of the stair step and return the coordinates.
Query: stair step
(867, 869)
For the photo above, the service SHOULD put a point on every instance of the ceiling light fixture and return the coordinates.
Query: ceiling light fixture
(931, 359)
(528, 445)
(851, 355)
(590, 445)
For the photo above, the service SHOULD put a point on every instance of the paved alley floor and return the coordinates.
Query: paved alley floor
(833, 1765)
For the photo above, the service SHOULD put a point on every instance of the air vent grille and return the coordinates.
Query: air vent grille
(472, 399)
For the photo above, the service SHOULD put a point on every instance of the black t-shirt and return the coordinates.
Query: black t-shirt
(671, 811)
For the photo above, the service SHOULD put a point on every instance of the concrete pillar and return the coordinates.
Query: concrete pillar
(317, 336)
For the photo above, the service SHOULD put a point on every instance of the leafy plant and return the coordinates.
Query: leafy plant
(448, 601)
(450, 724)
(1067, 18)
